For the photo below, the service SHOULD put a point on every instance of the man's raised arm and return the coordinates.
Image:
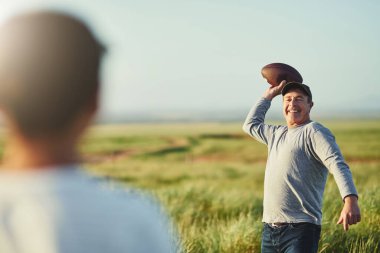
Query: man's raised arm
(254, 122)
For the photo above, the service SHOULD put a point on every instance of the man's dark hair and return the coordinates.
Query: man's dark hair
(49, 69)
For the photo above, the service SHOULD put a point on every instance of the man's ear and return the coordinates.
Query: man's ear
(311, 105)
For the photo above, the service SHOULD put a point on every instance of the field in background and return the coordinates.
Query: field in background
(210, 179)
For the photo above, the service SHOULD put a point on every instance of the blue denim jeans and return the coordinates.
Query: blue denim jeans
(291, 238)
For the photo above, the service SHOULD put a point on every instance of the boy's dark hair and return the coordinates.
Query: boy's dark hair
(49, 69)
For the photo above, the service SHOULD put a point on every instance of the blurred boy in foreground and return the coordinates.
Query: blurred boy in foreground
(49, 87)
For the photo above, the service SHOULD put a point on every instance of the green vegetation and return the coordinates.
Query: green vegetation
(210, 179)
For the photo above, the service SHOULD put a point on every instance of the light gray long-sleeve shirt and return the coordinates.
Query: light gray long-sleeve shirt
(298, 163)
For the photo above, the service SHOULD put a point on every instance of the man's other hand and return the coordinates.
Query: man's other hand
(350, 214)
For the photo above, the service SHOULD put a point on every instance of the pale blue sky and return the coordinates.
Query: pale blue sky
(175, 58)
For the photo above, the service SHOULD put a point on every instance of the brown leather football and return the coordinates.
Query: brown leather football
(274, 73)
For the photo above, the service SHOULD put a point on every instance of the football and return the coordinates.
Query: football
(274, 73)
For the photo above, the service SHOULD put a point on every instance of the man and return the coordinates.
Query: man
(49, 88)
(300, 155)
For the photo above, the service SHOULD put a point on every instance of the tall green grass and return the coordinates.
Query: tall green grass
(209, 177)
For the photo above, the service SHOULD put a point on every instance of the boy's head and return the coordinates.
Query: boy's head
(49, 71)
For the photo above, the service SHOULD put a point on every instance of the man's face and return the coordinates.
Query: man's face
(296, 108)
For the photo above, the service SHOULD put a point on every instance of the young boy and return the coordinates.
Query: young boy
(49, 88)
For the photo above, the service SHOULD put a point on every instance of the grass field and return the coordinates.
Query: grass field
(210, 179)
